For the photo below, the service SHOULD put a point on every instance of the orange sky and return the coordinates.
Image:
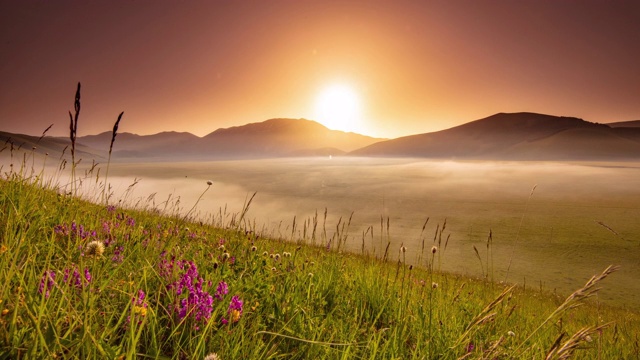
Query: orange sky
(417, 66)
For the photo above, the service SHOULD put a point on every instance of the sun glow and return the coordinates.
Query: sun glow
(338, 108)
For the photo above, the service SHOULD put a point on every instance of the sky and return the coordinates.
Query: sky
(381, 68)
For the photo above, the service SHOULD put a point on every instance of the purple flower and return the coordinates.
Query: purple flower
(118, 255)
(87, 275)
(222, 290)
(235, 309)
(470, 347)
(139, 300)
(111, 208)
(46, 282)
(198, 303)
(131, 221)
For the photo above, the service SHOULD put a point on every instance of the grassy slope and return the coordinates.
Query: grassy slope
(313, 304)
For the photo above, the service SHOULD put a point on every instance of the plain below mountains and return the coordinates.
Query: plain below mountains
(514, 136)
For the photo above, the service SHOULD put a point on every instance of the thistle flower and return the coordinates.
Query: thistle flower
(265, 254)
(276, 257)
(94, 248)
(212, 356)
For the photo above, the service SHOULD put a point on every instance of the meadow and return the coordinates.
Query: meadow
(88, 273)
(580, 217)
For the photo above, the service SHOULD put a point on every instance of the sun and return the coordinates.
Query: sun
(338, 107)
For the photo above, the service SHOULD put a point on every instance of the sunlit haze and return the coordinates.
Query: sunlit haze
(338, 107)
(405, 67)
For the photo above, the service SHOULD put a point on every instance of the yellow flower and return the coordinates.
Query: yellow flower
(140, 310)
(235, 315)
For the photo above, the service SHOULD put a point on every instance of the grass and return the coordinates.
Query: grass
(155, 291)
(85, 279)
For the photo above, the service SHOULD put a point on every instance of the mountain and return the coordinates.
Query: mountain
(282, 137)
(516, 136)
(129, 145)
(270, 138)
(625, 124)
(51, 146)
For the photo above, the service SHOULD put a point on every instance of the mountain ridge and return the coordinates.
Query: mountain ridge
(502, 136)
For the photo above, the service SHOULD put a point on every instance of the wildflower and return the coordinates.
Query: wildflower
(212, 356)
(235, 308)
(140, 310)
(276, 257)
(286, 254)
(118, 256)
(434, 249)
(198, 302)
(94, 248)
(254, 307)
(254, 249)
(225, 256)
(470, 347)
(87, 275)
(46, 282)
(310, 275)
(434, 285)
(403, 249)
(273, 269)
(265, 254)
(222, 290)
(511, 333)
(209, 182)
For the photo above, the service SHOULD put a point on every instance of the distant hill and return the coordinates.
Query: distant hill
(51, 146)
(525, 136)
(270, 138)
(282, 137)
(514, 136)
(129, 145)
(627, 124)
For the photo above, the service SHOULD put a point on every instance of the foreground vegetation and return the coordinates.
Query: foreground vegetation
(88, 280)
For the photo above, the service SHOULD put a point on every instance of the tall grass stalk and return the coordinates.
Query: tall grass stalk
(114, 133)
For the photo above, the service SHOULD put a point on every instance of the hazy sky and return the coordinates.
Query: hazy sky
(408, 66)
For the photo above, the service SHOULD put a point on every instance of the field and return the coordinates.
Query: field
(581, 217)
(188, 273)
